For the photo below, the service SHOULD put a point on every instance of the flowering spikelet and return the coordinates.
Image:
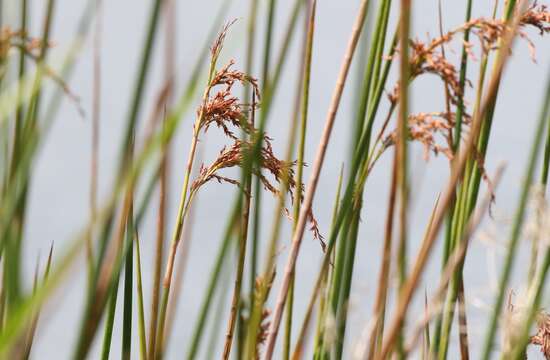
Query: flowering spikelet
(18, 39)
(428, 58)
(216, 48)
(514, 318)
(542, 337)
(537, 16)
(223, 109)
(227, 112)
(234, 156)
(423, 127)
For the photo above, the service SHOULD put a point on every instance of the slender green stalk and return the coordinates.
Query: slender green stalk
(141, 314)
(310, 31)
(462, 81)
(113, 289)
(345, 289)
(180, 218)
(139, 88)
(12, 263)
(20, 109)
(32, 330)
(266, 93)
(128, 288)
(380, 48)
(266, 104)
(320, 291)
(109, 322)
(544, 183)
(251, 42)
(375, 54)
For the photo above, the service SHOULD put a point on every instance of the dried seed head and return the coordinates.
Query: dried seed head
(428, 58)
(234, 156)
(425, 127)
(18, 39)
(537, 16)
(216, 48)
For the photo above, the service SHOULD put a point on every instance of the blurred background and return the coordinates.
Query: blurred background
(59, 202)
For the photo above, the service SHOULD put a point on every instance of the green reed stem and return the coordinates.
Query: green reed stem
(141, 313)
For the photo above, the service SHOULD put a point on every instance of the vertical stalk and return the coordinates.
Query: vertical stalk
(128, 290)
(251, 42)
(243, 236)
(401, 151)
(310, 31)
(96, 110)
(169, 13)
(141, 314)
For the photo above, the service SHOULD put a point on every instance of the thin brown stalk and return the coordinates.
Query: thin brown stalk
(382, 291)
(159, 252)
(402, 137)
(320, 285)
(242, 253)
(456, 173)
(462, 323)
(314, 178)
(105, 276)
(96, 109)
(169, 75)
